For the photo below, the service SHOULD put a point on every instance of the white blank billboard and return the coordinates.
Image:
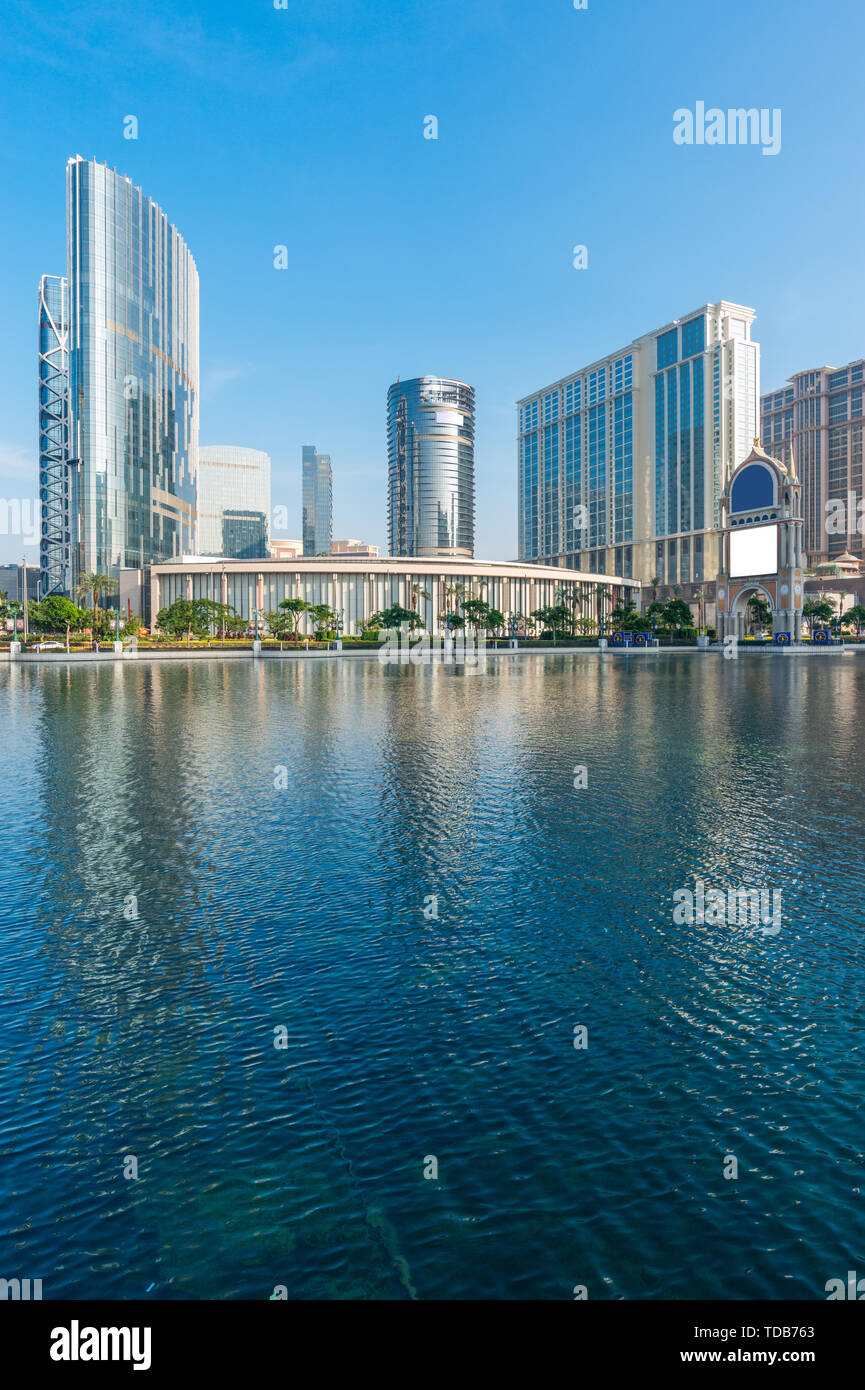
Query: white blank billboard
(754, 551)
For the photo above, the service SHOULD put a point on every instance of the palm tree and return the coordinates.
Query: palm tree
(565, 595)
(699, 596)
(458, 591)
(600, 594)
(91, 585)
(655, 581)
(579, 600)
(418, 591)
(759, 612)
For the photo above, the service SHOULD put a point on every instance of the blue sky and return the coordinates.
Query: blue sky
(303, 126)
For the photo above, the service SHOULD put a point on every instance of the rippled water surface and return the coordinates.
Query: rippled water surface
(279, 827)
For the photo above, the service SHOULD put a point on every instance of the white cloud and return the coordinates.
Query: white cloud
(17, 463)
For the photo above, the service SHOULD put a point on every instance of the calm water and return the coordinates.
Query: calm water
(301, 907)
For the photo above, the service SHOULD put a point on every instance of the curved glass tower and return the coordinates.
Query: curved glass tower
(233, 501)
(431, 467)
(133, 375)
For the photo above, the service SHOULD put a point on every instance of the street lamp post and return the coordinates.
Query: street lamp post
(24, 571)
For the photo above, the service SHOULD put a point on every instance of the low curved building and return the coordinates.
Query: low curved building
(356, 587)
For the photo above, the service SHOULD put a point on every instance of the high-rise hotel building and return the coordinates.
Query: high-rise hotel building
(120, 491)
(622, 463)
(819, 415)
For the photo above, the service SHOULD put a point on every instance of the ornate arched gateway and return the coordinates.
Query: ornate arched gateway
(761, 545)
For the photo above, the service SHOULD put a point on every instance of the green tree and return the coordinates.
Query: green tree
(62, 613)
(552, 616)
(677, 614)
(657, 611)
(187, 616)
(35, 617)
(494, 620)
(323, 617)
(600, 594)
(396, 617)
(280, 624)
(817, 610)
(855, 616)
(296, 607)
(567, 594)
(476, 612)
(626, 617)
(91, 585)
(759, 611)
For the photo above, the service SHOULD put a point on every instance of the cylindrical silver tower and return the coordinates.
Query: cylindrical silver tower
(431, 467)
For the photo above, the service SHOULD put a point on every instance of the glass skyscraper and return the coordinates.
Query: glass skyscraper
(431, 468)
(317, 501)
(133, 380)
(233, 502)
(622, 463)
(819, 415)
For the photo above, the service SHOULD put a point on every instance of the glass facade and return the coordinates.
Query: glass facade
(586, 501)
(56, 475)
(680, 462)
(431, 467)
(678, 409)
(317, 501)
(233, 502)
(819, 415)
(133, 370)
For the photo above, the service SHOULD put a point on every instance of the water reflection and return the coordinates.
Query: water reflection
(281, 827)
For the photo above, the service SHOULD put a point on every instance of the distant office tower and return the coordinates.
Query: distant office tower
(317, 502)
(133, 384)
(233, 502)
(56, 477)
(12, 584)
(354, 548)
(820, 415)
(622, 463)
(431, 467)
